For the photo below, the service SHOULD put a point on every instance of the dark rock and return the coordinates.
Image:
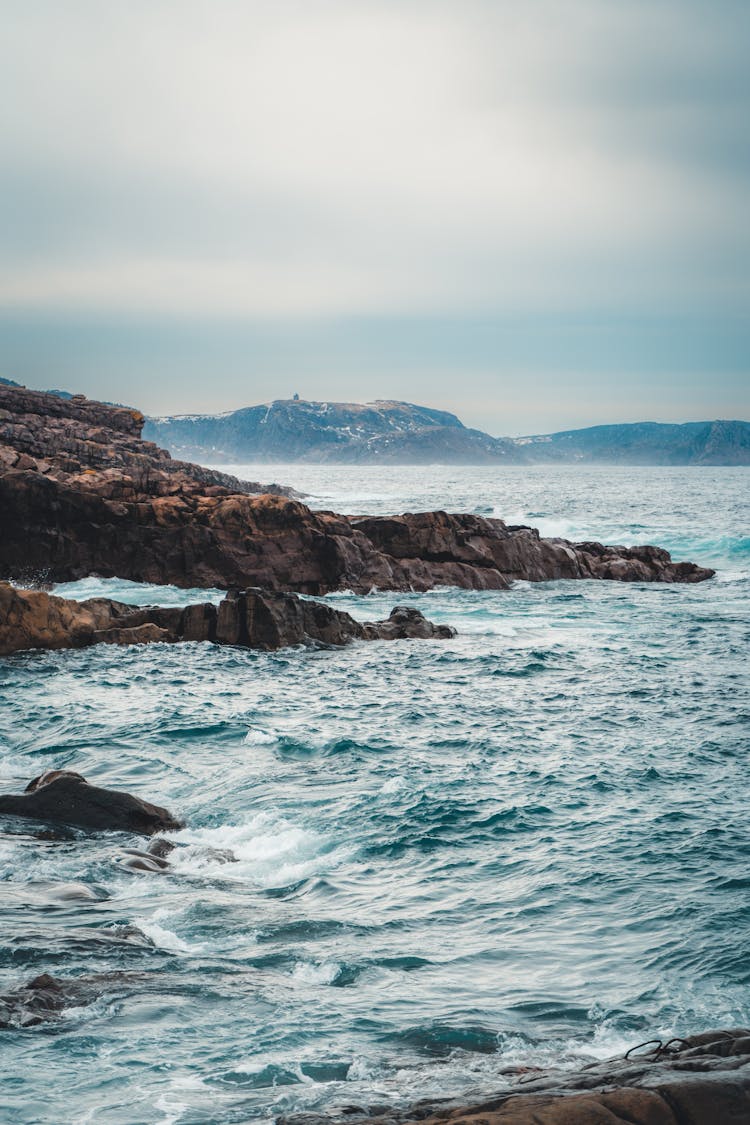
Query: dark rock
(406, 621)
(64, 797)
(160, 848)
(251, 618)
(34, 1002)
(78, 435)
(44, 999)
(702, 1080)
(136, 860)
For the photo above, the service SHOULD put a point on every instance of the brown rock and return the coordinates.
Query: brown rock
(81, 494)
(253, 618)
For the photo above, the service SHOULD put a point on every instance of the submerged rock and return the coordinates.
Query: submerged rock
(39, 1001)
(81, 494)
(45, 998)
(702, 1080)
(64, 797)
(249, 618)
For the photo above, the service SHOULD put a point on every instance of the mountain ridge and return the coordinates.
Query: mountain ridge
(383, 431)
(391, 431)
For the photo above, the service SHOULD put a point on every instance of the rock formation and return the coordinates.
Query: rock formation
(250, 618)
(81, 494)
(703, 1080)
(64, 797)
(73, 436)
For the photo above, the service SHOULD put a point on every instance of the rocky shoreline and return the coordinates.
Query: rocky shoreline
(701, 1080)
(82, 494)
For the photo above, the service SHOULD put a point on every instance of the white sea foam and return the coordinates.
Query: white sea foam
(549, 527)
(266, 850)
(256, 736)
(308, 973)
(134, 593)
(165, 938)
(394, 784)
(172, 1110)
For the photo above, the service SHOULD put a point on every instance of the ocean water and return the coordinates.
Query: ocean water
(408, 865)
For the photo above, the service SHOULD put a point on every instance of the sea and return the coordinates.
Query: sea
(409, 866)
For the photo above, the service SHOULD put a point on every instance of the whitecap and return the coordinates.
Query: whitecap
(164, 938)
(266, 850)
(394, 784)
(256, 736)
(308, 973)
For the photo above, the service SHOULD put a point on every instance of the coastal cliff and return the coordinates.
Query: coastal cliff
(82, 494)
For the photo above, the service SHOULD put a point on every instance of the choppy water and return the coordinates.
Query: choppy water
(528, 844)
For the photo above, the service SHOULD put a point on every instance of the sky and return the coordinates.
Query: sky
(533, 213)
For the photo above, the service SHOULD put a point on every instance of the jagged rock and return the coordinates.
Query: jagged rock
(65, 797)
(250, 618)
(703, 1080)
(81, 494)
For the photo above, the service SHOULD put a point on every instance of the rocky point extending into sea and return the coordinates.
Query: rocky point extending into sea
(82, 494)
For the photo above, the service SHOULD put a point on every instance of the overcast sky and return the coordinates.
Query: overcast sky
(531, 212)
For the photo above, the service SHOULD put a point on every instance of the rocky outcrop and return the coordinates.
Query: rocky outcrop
(703, 1080)
(81, 494)
(499, 553)
(64, 797)
(252, 618)
(70, 436)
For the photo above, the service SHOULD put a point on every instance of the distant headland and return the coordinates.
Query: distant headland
(402, 433)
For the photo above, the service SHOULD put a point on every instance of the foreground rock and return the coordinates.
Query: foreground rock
(703, 1080)
(64, 797)
(81, 494)
(251, 618)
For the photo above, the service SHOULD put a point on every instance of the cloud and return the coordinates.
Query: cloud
(329, 159)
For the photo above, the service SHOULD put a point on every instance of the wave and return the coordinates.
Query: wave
(164, 938)
(266, 850)
(134, 593)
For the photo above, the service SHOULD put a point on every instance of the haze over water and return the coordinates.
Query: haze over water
(528, 844)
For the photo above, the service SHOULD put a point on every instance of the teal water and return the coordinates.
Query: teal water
(528, 844)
